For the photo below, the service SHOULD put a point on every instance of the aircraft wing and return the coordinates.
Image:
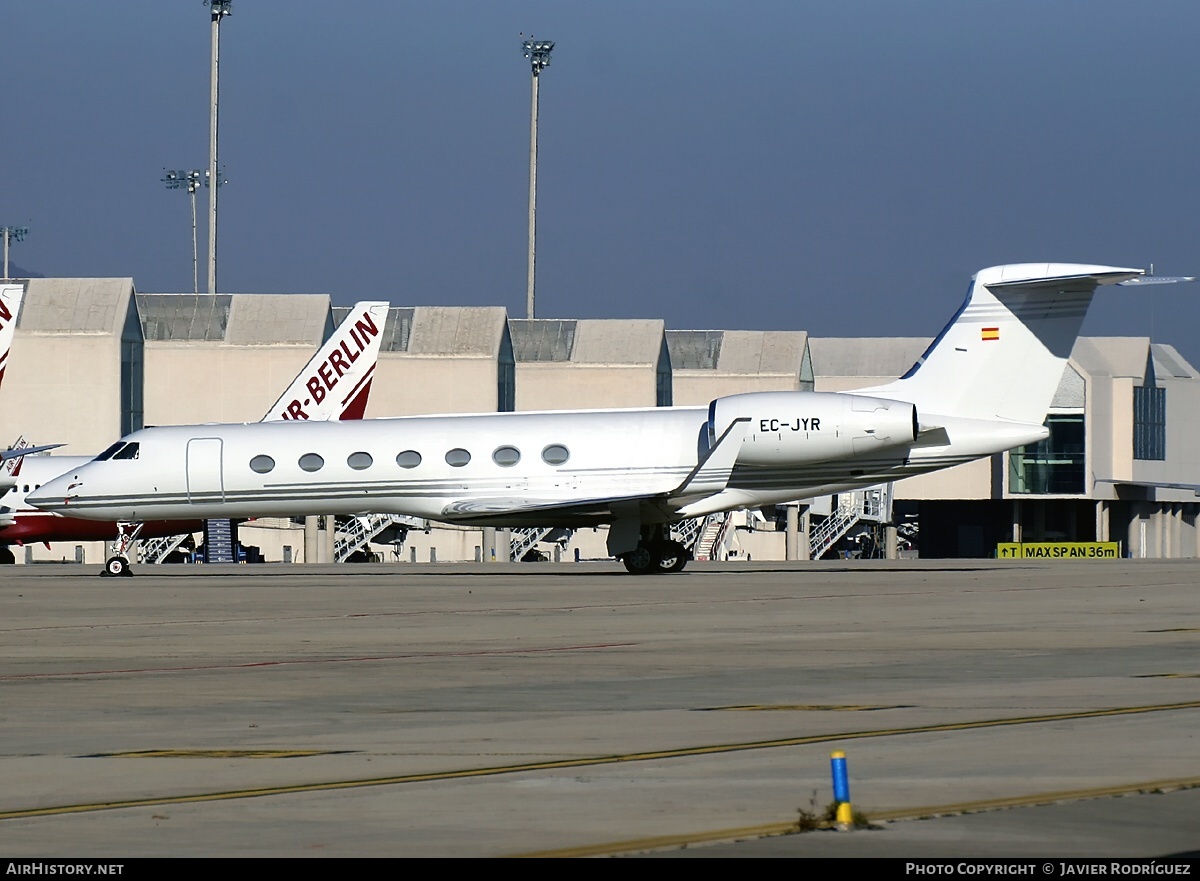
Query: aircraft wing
(709, 477)
(533, 511)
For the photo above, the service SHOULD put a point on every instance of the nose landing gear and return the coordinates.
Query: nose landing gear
(118, 564)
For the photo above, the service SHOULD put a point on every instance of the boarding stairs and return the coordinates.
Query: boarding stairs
(219, 541)
(156, 550)
(687, 532)
(525, 540)
(355, 533)
(712, 535)
(873, 504)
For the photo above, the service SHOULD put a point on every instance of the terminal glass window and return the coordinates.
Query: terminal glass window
(663, 396)
(132, 372)
(506, 376)
(1054, 466)
(1150, 423)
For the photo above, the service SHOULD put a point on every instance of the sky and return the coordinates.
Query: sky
(839, 167)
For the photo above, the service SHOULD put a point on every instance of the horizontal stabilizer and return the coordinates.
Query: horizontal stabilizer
(1157, 279)
(1082, 280)
(5, 455)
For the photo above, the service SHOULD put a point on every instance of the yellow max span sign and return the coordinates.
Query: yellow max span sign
(1058, 550)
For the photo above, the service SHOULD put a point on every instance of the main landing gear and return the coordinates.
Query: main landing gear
(656, 553)
(118, 564)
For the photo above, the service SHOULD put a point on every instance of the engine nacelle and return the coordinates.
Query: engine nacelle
(798, 427)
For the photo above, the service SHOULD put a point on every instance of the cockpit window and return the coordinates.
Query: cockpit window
(129, 452)
(110, 452)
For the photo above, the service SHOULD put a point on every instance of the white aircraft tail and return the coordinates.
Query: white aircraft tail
(336, 383)
(1002, 355)
(10, 308)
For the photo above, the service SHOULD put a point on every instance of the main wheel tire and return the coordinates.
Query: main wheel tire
(640, 561)
(672, 557)
(116, 566)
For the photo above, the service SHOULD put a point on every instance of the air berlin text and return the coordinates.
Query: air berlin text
(332, 368)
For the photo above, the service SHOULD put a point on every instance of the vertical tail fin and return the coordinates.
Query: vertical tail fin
(10, 308)
(1003, 353)
(336, 383)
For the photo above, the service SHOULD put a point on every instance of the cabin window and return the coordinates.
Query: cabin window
(506, 457)
(262, 464)
(457, 457)
(130, 451)
(311, 462)
(409, 459)
(108, 454)
(360, 461)
(555, 454)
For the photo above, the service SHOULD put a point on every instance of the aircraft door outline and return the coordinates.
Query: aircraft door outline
(205, 475)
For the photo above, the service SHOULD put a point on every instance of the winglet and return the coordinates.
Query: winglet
(336, 383)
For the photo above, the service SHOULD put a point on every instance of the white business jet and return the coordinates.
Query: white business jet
(982, 387)
(335, 384)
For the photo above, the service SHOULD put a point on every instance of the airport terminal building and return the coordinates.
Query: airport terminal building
(93, 359)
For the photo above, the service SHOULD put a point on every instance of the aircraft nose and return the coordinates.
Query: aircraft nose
(56, 494)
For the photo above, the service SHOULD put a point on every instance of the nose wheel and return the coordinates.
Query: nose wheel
(115, 567)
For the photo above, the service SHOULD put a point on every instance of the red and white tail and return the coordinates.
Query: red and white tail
(335, 384)
(10, 308)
